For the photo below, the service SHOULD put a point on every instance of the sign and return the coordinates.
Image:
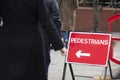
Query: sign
(88, 48)
(112, 19)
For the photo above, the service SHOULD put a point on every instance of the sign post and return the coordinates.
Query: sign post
(89, 48)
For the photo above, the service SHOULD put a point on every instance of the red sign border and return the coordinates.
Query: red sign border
(90, 33)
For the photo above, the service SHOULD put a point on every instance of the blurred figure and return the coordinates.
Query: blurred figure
(54, 14)
(22, 40)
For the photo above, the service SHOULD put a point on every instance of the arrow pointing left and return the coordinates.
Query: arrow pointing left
(79, 54)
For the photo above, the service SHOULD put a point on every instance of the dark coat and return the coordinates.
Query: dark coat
(21, 40)
(54, 14)
(54, 11)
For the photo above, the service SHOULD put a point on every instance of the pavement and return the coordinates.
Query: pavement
(82, 72)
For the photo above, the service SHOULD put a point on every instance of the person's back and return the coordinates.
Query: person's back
(20, 16)
(54, 12)
(21, 41)
(20, 38)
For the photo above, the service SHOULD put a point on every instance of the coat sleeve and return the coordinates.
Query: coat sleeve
(48, 26)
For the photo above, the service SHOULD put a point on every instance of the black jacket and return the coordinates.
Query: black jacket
(54, 12)
(21, 39)
(54, 15)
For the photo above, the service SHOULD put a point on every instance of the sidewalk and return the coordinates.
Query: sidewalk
(81, 72)
(84, 72)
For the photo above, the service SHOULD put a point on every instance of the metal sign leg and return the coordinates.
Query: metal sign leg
(110, 69)
(64, 71)
(71, 70)
(105, 72)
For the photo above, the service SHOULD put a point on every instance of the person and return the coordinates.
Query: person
(22, 40)
(54, 11)
(54, 14)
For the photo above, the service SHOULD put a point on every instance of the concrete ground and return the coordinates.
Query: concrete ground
(81, 72)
